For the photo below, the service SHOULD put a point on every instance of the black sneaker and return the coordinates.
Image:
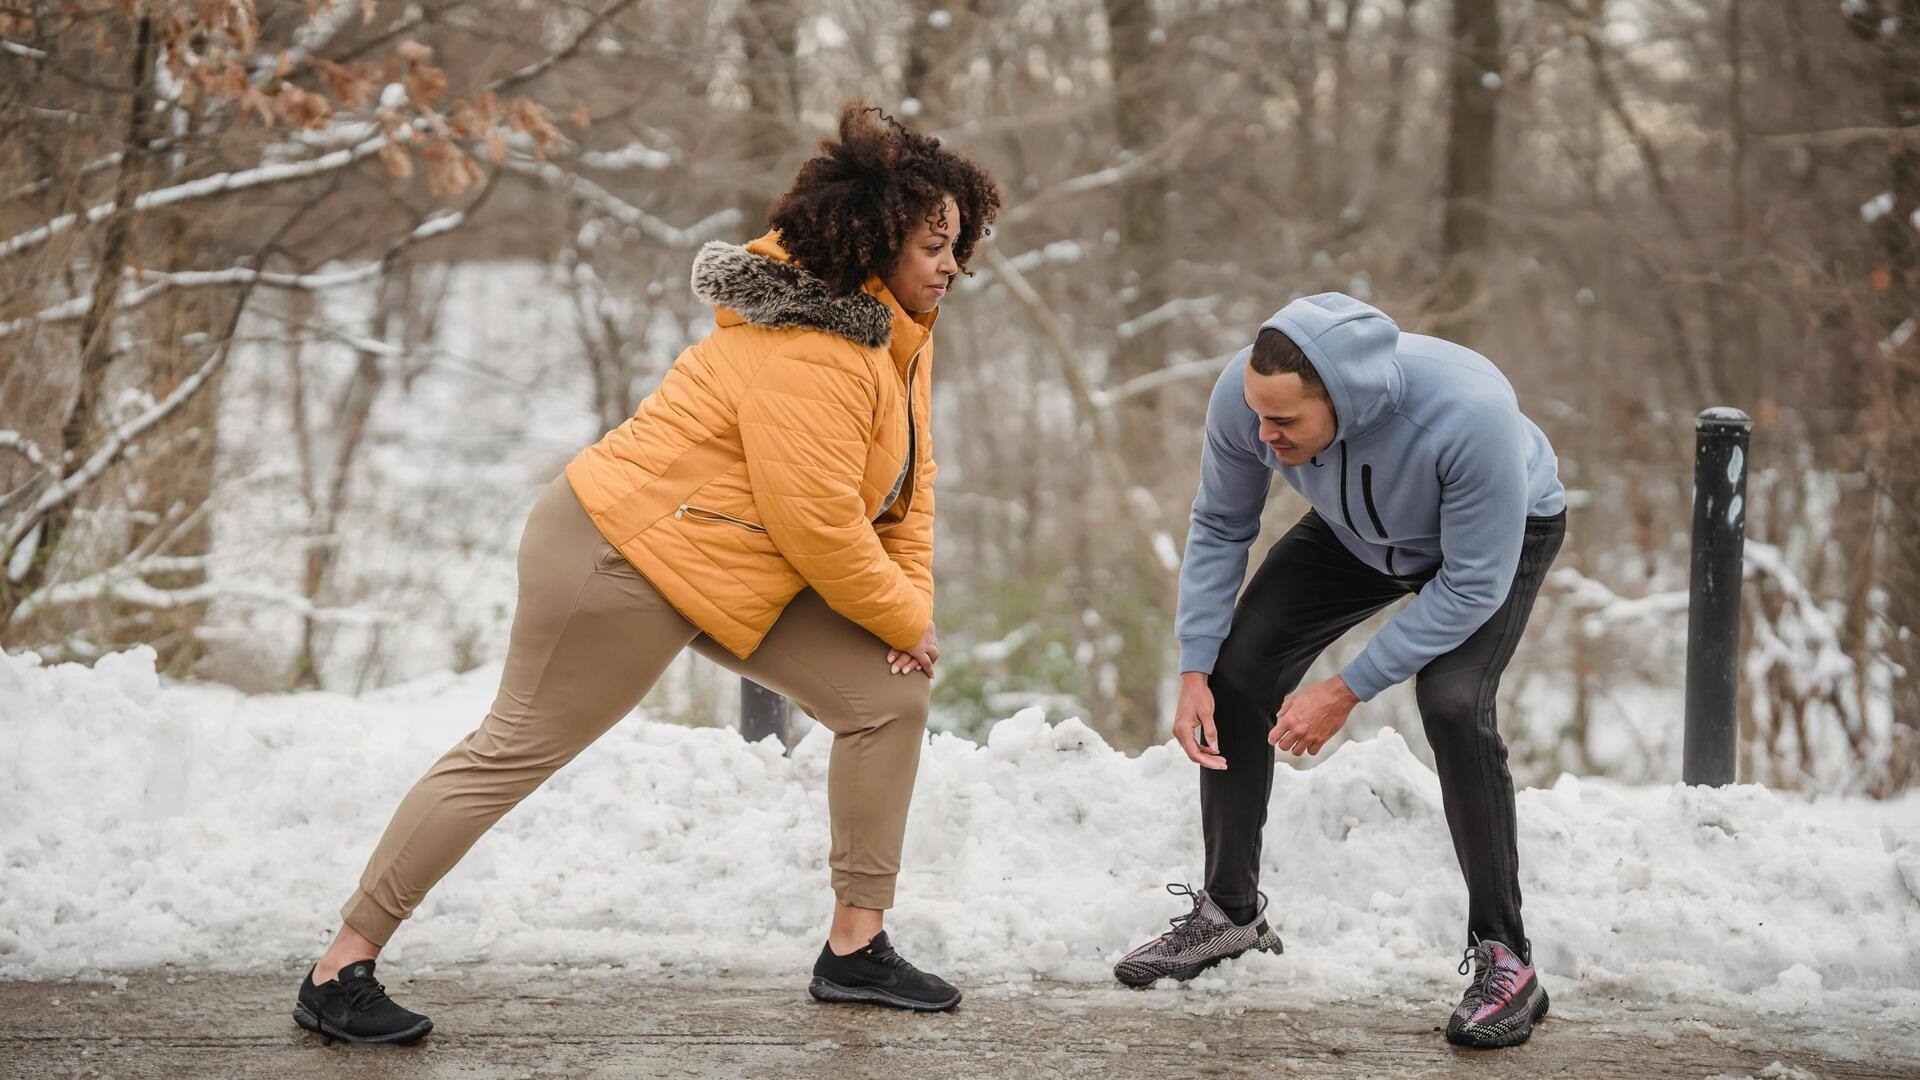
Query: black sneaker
(1199, 939)
(879, 976)
(353, 1007)
(1502, 1003)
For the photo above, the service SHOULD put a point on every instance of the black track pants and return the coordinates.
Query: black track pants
(1309, 591)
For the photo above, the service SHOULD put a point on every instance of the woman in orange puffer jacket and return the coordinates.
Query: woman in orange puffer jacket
(771, 506)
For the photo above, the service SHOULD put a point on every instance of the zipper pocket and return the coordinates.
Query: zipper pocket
(1366, 494)
(701, 513)
(1345, 514)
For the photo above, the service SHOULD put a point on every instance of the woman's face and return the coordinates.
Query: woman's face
(927, 267)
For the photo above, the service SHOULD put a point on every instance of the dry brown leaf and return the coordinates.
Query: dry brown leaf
(533, 119)
(465, 122)
(449, 170)
(302, 107)
(398, 162)
(425, 83)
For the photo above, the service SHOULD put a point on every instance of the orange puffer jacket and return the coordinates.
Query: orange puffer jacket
(760, 464)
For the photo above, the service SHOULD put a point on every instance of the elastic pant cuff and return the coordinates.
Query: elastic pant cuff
(863, 890)
(369, 919)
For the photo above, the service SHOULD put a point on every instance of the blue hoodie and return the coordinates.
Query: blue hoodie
(1431, 463)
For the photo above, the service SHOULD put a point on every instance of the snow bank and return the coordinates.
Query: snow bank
(146, 822)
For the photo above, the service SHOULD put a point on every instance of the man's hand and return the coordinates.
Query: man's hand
(1312, 716)
(1193, 721)
(919, 658)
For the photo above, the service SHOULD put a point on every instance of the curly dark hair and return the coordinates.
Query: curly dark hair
(855, 203)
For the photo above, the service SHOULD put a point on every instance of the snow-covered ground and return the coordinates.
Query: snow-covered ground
(148, 822)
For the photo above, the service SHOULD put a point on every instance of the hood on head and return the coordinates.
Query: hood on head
(1351, 345)
(761, 285)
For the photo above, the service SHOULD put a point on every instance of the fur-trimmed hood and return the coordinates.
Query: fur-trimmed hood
(777, 294)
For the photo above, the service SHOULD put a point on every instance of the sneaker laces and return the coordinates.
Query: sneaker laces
(1181, 923)
(1490, 980)
(891, 957)
(364, 992)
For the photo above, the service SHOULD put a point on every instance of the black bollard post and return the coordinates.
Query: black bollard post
(1713, 609)
(762, 713)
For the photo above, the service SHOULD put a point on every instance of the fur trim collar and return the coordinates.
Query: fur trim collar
(776, 295)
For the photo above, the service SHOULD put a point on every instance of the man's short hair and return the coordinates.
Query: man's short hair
(1274, 353)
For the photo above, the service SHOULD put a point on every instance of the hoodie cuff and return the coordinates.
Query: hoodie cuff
(1199, 653)
(1364, 677)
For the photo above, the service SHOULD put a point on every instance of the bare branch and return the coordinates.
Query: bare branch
(1167, 312)
(1150, 521)
(539, 67)
(124, 583)
(1205, 367)
(110, 450)
(159, 283)
(626, 213)
(25, 447)
(1832, 138)
(203, 188)
(631, 156)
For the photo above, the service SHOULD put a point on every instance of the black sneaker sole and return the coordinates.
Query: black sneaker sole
(306, 1019)
(829, 991)
(1472, 1040)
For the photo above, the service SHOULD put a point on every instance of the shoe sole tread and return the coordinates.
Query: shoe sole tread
(828, 991)
(306, 1019)
(1464, 1037)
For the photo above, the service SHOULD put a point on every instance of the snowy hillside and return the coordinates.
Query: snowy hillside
(146, 822)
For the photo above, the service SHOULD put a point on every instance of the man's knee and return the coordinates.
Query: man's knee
(1450, 702)
(1241, 679)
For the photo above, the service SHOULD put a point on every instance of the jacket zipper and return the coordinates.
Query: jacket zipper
(1366, 493)
(701, 513)
(906, 489)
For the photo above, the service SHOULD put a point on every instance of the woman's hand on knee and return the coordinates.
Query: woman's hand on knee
(921, 657)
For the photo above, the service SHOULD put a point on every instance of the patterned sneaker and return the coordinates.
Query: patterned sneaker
(1199, 939)
(1502, 1003)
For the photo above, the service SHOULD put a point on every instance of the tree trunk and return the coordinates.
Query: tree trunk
(768, 32)
(96, 352)
(347, 425)
(1474, 108)
(1137, 600)
(176, 484)
(1899, 472)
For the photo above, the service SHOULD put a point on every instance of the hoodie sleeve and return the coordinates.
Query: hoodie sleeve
(1226, 518)
(1483, 522)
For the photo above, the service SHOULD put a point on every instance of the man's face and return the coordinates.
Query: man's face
(1294, 421)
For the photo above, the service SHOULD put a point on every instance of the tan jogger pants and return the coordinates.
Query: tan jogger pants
(590, 637)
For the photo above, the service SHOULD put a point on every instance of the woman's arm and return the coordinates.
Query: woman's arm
(910, 543)
(806, 425)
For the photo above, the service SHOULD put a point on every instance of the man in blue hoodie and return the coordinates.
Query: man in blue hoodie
(1424, 479)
